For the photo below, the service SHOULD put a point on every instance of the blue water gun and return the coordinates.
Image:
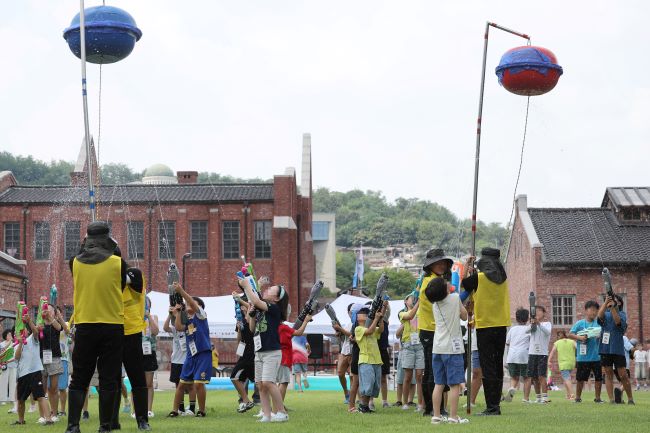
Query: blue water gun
(53, 295)
(238, 314)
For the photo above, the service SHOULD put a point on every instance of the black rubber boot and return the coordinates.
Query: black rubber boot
(76, 400)
(140, 405)
(427, 390)
(106, 404)
(115, 420)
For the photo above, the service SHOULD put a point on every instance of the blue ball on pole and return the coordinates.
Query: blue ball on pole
(111, 34)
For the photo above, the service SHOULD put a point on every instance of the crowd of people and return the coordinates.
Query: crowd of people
(104, 342)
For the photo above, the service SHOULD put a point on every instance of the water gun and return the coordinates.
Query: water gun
(378, 300)
(533, 310)
(607, 281)
(456, 275)
(8, 355)
(416, 290)
(20, 327)
(53, 295)
(247, 269)
(310, 305)
(330, 312)
(238, 314)
(591, 332)
(40, 323)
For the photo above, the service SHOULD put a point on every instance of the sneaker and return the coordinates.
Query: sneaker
(260, 414)
(200, 414)
(398, 404)
(437, 420)
(364, 409)
(133, 415)
(509, 395)
(419, 409)
(471, 404)
(60, 414)
(18, 423)
(577, 400)
(353, 410)
(598, 401)
(188, 412)
(444, 413)
(405, 407)
(412, 404)
(458, 420)
(264, 419)
(371, 406)
(12, 410)
(280, 417)
(173, 414)
(150, 414)
(631, 402)
(347, 398)
(385, 404)
(41, 421)
(32, 409)
(54, 418)
(85, 415)
(244, 407)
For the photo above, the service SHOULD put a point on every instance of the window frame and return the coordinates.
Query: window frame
(5, 226)
(229, 242)
(44, 253)
(68, 242)
(199, 227)
(263, 245)
(169, 252)
(133, 241)
(563, 319)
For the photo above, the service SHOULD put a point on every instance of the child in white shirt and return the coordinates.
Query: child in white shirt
(540, 337)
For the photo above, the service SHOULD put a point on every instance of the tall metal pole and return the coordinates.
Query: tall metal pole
(475, 197)
(84, 95)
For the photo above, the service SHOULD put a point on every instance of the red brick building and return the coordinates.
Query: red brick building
(13, 282)
(160, 220)
(559, 254)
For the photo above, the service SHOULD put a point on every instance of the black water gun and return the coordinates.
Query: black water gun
(609, 289)
(533, 310)
(310, 305)
(175, 298)
(330, 312)
(378, 300)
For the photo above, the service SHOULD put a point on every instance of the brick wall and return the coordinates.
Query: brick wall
(11, 291)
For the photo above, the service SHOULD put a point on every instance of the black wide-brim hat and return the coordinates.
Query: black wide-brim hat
(436, 255)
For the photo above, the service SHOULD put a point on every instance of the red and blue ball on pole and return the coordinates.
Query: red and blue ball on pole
(528, 70)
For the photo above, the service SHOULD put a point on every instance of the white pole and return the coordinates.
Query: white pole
(84, 94)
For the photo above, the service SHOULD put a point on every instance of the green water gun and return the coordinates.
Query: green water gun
(20, 329)
(8, 355)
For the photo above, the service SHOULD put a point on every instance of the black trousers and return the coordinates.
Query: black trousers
(97, 345)
(491, 346)
(133, 360)
(426, 338)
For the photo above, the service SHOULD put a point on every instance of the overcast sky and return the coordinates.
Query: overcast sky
(388, 90)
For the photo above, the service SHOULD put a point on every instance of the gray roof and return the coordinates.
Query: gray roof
(588, 237)
(8, 268)
(140, 193)
(628, 196)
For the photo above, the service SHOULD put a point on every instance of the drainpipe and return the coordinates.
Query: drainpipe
(23, 253)
(639, 291)
(246, 210)
(149, 216)
(298, 229)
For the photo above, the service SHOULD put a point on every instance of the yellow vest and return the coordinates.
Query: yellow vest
(98, 292)
(133, 311)
(491, 303)
(426, 321)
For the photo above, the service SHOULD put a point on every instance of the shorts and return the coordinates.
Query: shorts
(476, 362)
(448, 369)
(412, 357)
(53, 369)
(640, 370)
(267, 364)
(64, 378)
(30, 384)
(518, 370)
(300, 368)
(385, 361)
(617, 361)
(150, 362)
(537, 365)
(400, 372)
(369, 379)
(284, 374)
(175, 373)
(354, 366)
(566, 374)
(243, 371)
(197, 368)
(584, 369)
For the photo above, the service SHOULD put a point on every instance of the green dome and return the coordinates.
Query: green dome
(159, 170)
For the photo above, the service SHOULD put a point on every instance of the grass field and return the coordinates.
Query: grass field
(324, 411)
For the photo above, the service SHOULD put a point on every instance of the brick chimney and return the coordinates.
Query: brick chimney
(187, 176)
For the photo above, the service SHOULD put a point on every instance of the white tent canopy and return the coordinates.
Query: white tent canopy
(221, 314)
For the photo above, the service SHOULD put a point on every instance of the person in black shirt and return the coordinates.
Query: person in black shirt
(244, 370)
(51, 355)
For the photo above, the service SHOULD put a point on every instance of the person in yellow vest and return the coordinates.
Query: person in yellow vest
(98, 276)
(134, 296)
(489, 289)
(436, 264)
